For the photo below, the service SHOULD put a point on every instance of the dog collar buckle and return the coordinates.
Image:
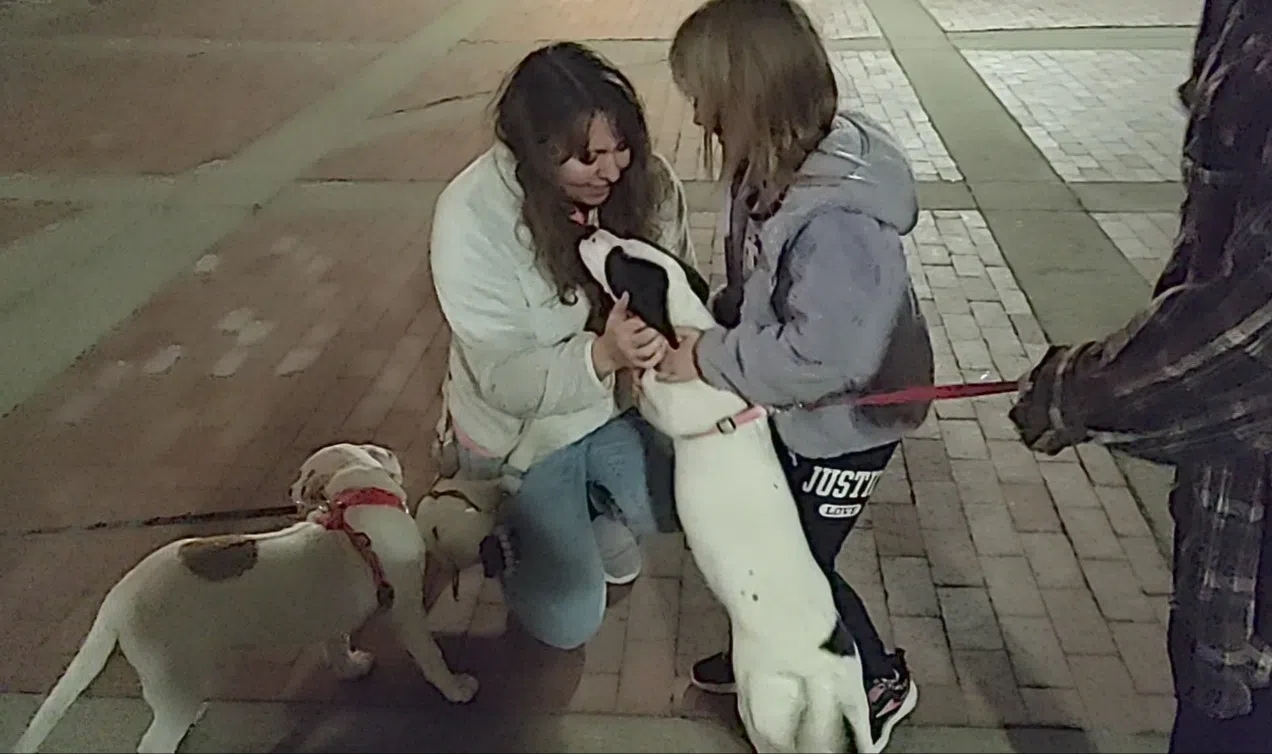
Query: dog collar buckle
(729, 424)
(726, 426)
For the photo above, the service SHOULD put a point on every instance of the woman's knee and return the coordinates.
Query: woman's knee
(561, 621)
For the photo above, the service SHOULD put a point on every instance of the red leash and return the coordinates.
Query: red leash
(729, 424)
(936, 393)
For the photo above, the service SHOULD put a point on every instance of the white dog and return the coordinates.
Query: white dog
(798, 674)
(193, 600)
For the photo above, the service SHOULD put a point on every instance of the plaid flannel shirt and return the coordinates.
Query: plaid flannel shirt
(1189, 380)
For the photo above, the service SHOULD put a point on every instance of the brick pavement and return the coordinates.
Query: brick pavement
(1027, 590)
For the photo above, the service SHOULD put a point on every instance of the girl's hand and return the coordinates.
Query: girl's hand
(627, 343)
(681, 364)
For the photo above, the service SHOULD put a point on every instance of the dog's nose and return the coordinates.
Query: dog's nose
(590, 231)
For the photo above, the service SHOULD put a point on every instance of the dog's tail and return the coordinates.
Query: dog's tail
(85, 666)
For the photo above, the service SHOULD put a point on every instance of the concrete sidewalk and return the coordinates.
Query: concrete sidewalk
(213, 258)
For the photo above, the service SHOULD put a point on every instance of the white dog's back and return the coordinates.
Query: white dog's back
(279, 594)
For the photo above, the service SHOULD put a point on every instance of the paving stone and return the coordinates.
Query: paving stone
(873, 82)
(604, 653)
(1100, 466)
(1059, 708)
(1027, 327)
(1012, 587)
(1052, 560)
(1031, 508)
(969, 619)
(858, 559)
(926, 460)
(1051, 94)
(1117, 591)
(963, 439)
(654, 609)
(1156, 712)
(927, 650)
(992, 701)
(1105, 687)
(646, 684)
(1146, 239)
(897, 532)
(992, 530)
(1091, 533)
(977, 482)
(1143, 649)
(1123, 512)
(1078, 622)
(909, 587)
(975, 15)
(1069, 485)
(1148, 564)
(185, 95)
(939, 506)
(846, 20)
(942, 705)
(952, 558)
(1014, 462)
(1035, 652)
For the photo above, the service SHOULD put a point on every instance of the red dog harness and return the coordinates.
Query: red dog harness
(333, 519)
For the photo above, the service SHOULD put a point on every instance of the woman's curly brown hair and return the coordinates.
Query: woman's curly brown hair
(542, 114)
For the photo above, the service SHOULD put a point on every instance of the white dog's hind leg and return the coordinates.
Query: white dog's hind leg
(411, 623)
(176, 697)
(822, 727)
(771, 707)
(347, 663)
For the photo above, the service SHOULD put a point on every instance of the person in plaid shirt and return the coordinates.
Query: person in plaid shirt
(1188, 382)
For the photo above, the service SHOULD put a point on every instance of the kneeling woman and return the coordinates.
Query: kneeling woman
(536, 346)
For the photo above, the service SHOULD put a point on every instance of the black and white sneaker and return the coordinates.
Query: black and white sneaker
(891, 701)
(714, 674)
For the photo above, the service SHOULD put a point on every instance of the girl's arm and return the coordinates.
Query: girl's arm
(841, 285)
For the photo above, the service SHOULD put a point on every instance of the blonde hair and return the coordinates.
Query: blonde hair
(762, 85)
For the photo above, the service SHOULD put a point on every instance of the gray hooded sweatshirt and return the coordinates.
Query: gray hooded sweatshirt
(826, 307)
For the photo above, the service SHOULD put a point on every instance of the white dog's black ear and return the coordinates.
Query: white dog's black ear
(312, 485)
(646, 284)
(386, 458)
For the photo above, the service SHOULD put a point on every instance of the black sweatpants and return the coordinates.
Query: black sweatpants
(831, 494)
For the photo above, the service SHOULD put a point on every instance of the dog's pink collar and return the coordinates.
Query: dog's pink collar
(729, 424)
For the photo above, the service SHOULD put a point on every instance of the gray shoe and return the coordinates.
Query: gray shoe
(620, 553)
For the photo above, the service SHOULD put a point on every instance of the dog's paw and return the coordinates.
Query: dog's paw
(464, 690)
(357, 664)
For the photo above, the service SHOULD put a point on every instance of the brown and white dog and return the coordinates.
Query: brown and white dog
(799, 678)
(193, 600)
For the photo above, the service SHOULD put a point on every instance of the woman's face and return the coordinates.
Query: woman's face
(588, 181)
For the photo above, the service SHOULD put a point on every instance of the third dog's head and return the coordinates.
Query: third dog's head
(455, 516)
(354, 465)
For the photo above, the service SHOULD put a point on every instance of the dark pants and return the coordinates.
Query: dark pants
(1194, 730)
(831, 494)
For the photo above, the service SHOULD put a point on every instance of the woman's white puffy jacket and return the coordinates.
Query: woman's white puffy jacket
(521, 383)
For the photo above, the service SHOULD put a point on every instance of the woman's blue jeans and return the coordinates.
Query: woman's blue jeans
(557, 590)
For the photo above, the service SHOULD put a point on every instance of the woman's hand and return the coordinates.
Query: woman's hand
(680, 364)
(627, 343)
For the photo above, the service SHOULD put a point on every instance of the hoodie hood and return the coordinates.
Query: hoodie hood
(860, 167)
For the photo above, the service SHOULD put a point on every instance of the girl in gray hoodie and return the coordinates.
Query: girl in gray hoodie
(818, 303)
